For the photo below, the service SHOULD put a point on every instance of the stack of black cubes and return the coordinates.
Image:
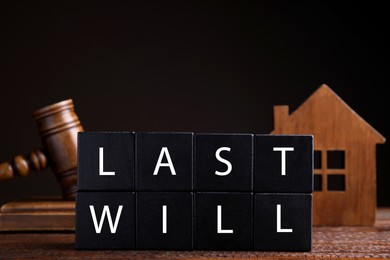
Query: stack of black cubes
(185, 191)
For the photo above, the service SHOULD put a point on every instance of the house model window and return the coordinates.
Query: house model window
(345, 160)
(333, 170)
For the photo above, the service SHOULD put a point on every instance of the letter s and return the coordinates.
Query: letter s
(219, 158)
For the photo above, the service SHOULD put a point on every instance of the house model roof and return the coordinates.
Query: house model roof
(325, 110)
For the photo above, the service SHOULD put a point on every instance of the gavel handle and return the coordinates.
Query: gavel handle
(36, 161)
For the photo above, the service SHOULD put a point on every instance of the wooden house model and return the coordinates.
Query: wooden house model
(344, 157)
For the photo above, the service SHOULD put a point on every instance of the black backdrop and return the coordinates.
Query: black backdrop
(202, 66)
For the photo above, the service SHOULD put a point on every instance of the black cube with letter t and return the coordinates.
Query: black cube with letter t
(185, 191)
(283, 163)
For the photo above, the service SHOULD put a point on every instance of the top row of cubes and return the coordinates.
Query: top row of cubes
(200, 162)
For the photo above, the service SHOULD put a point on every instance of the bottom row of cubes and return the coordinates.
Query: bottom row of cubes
(188, 221)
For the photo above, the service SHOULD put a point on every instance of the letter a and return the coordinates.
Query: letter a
(106, 211)
(159, 164)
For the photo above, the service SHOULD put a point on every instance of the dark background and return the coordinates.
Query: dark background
(201, 66)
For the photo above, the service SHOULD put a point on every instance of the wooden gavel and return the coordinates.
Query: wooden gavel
(58, 126)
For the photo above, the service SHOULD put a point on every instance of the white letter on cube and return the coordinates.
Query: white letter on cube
(219, 222)
(101, 169)
(164, 219)
(279, 228)
(219, 158)
(283, 150)
(159, 164)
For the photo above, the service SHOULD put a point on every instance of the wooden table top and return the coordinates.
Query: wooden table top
(328, 242)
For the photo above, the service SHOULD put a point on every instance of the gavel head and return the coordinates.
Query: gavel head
(58, 126)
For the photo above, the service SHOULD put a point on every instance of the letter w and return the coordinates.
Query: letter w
(106, 211)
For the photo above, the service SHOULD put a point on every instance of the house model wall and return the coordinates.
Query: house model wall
(344, 157)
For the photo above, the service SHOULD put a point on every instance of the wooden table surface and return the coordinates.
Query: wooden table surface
(328, 242)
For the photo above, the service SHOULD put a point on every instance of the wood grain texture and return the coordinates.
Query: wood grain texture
(58, 126)
(328, 242)
(39, 214)
(336, 126)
